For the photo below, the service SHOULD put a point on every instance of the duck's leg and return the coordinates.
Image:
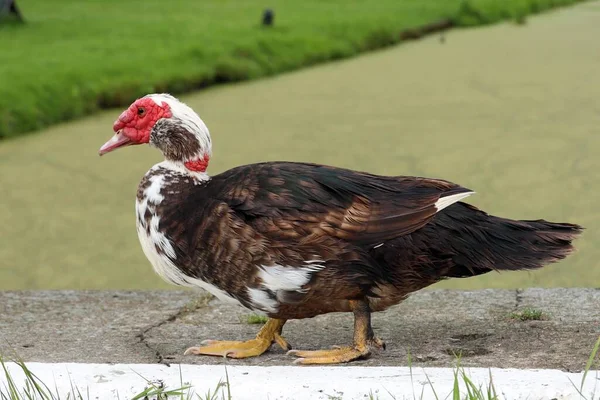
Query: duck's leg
(270, 333)
(364, 341)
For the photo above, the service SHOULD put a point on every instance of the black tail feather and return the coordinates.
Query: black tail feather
(478, 242)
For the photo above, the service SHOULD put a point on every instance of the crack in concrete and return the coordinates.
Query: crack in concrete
(142, 339)
(518, 298)
(199, 302)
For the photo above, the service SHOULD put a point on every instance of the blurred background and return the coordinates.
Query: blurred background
(504, 101)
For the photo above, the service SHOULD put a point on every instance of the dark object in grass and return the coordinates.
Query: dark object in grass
(268, 17)
(9, 8)
(417, 33)
(520, 20)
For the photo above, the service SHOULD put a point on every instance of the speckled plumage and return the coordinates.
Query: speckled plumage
(295, 240)
(372, 237)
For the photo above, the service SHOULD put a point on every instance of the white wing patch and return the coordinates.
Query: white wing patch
(279, 277)
(262, 301)
(449, 200)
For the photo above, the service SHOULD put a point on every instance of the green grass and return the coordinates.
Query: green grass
(529, 314)
(254, 319)
(72, 58)
(34, 388)
(486, 110)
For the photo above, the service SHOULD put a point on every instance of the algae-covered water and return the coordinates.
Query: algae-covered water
(511, 111)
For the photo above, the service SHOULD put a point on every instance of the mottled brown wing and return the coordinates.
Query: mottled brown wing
(303, 201)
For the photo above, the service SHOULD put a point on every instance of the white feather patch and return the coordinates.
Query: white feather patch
(163, 265)
(279, 277)
(151, 238)
(261, 300)
(152, 193)
(449, 200)
(315, 261)
(212, 289)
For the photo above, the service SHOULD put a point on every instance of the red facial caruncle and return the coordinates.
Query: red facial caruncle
(135, 124)
(198, 165)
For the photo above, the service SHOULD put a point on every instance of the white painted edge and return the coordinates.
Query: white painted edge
(112, 381)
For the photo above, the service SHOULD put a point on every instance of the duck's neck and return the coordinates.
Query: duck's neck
(197, 172)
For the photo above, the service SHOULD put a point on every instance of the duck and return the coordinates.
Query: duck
(294, 240)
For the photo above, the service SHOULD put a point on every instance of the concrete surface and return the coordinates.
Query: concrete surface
(153, 326)
(124, 381)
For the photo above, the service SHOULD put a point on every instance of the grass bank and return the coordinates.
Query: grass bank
(72, 58)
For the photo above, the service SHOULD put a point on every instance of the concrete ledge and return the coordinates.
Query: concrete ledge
(123, 381)
(151, 327)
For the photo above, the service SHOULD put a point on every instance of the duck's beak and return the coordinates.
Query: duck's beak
(118, 140)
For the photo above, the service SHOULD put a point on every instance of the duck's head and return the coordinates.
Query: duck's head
(166, 123)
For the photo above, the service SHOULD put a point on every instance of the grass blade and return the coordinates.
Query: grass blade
(431, 386)
(412, 386)
(228, 386)
(590, 362)
(456, 388)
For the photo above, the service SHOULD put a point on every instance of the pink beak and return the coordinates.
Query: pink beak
(118, 140)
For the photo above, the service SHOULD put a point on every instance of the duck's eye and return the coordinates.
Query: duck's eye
(141, 111)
